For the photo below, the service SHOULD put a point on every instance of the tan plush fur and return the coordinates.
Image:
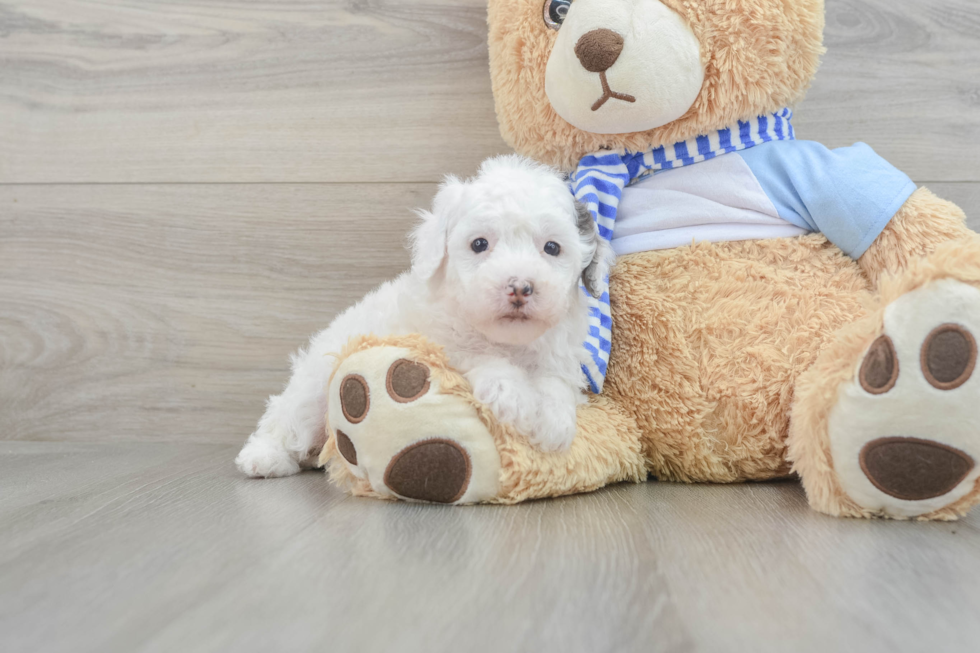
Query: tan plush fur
(709, 342)
(759, 56)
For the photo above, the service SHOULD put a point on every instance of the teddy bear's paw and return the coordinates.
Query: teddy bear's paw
(397, 428)
(905, 433)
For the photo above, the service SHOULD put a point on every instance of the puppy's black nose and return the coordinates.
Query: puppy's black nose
(599, 49)
(521, 288)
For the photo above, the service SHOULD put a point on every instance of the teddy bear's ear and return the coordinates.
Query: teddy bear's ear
(598, 257)
(428, 239)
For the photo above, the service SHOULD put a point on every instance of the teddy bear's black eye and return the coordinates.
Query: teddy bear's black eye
(555, 12)
(552, 248)
(479, 245)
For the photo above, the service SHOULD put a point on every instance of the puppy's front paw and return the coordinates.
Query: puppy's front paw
(265, 457)
(507, 398)
(555, 428)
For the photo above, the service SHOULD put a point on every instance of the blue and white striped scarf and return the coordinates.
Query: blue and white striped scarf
(599, 181)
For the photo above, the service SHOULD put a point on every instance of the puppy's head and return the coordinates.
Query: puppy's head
(506, 250)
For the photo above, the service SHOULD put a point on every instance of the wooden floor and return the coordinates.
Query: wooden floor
(163, 547)
(189, 189)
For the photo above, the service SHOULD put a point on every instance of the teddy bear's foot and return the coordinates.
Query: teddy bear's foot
(903, 438)
(400, 433)
(905, 433)
(405, 425)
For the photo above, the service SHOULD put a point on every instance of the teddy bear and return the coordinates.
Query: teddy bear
(776, 309)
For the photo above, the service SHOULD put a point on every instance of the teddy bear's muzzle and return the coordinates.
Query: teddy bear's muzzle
(598, 50)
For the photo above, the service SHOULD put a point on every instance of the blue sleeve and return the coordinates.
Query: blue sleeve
(849, 194)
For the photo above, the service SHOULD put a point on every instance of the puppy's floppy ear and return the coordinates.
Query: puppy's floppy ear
(428, 239)
(598, 257)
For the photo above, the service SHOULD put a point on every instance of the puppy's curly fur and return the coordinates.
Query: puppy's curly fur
(495, 277)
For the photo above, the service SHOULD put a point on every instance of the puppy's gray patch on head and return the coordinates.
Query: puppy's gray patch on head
(590, 238)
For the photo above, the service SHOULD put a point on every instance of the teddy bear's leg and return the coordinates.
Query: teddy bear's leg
(923, 223)
(886, 422)
(404, 425)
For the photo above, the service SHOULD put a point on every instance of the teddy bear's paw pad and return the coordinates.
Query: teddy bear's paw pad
(914, 469)
(396, 428)
(355, 399)
(949, 356)
(436, 470)
(407, 381)
(905, 433)
(346, 447)
(879, 371)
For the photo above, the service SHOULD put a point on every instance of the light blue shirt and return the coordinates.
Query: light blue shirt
(848, 194)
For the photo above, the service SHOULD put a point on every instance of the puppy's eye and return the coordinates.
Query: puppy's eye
(555, 12)
(479, 245)
(552, 248)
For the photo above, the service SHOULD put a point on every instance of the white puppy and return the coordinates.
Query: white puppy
(495, 279)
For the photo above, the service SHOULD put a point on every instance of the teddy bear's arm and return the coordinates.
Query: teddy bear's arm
(923, 223)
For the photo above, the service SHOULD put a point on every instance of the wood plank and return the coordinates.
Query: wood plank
(163, 547)
(275, 90)
(168, 312)
(287, 90)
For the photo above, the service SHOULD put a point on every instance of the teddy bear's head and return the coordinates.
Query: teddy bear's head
(572, 77)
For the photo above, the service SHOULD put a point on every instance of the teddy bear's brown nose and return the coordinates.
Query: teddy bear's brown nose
(599, 49)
